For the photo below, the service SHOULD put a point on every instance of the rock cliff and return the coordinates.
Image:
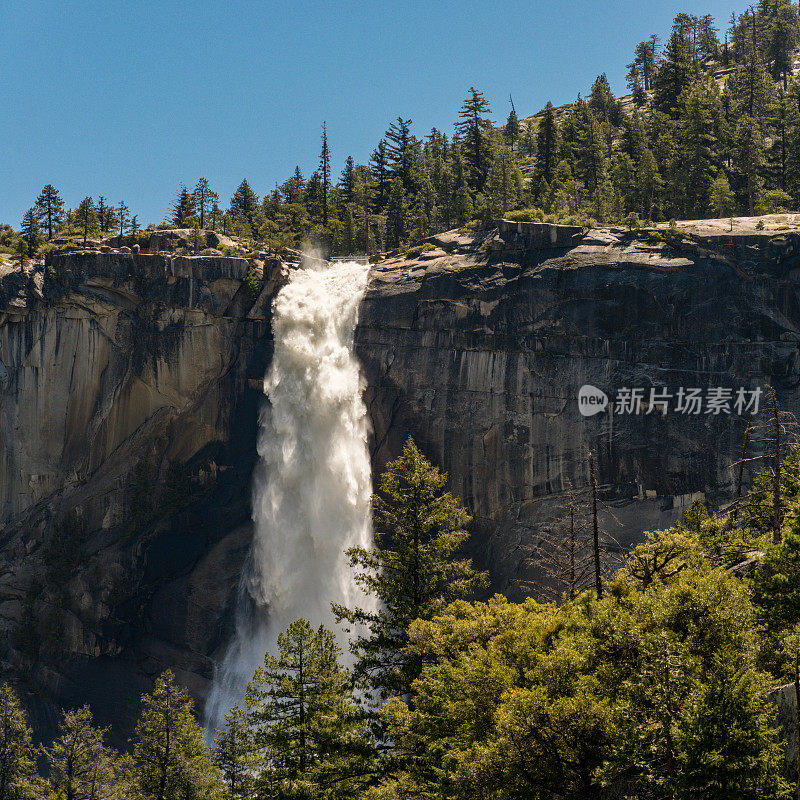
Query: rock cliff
(131, 385)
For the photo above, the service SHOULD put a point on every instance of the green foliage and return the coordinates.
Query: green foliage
(170, 758)
(17, 754)
(653, 687)
(307, 738)
(79, 765)
(413, 572)
(412, 252)
(252, 284)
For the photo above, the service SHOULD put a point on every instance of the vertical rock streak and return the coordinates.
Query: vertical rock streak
(312, 486)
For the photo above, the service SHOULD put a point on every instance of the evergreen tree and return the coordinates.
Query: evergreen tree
(244, 203)
(397, 214)
(527, 144)
(473, 123)
(783, 40)
(645, 61)
(749, 159)
(86, 217)
(30, 230)
(183, 209)
(379, 164)
(233, 755)
(50, 208)
(308, 738)
(122, 217)
(412, 572)
(292, 190)
(707, 40)
(547, 145)
(17, 755)
(346, 182)
(204, 199)
(133, 225)
(79, 765)
(698, 147)
(722, 201)
(348, 232)
(648, 182)
(512, 130)
(325, 174)
(400, 150)
(170, 757)
(675, 73)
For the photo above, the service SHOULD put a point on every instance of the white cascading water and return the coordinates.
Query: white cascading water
(311, 493)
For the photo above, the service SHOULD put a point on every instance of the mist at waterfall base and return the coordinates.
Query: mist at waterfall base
(312, 486)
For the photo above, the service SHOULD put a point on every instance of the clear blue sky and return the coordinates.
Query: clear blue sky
(129, 99)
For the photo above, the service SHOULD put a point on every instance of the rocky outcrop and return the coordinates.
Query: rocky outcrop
(131, 385)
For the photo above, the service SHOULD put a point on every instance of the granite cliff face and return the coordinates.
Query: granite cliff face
(131, 385)
(480, 349)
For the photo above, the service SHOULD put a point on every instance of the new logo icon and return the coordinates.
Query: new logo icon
(591, 400)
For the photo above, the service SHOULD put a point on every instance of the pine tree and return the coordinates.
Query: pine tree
(233, 755)
(511, 132)
(707, 40)
(102, 213)
(413, 571)
(649, 183)
(183, 209)
(698, 147)
(133, 226)
(307, 736)
(79, 765)
(675, 73)
(527, 144)
(122, 217)
(749, 159)
(346, 181)
(30, 230)
(244, 203)
(204, 199)
(170, 757)
(348, 232)
(325, 174)
(17, 754)
(293, 189)
(547, 145)
(473, 123)
(722, 201)
(400, 150)
(783, 40)
(86, 217)
(50, 207)
(379, 164)
(397, 214)
(645, 60)
(591, 154)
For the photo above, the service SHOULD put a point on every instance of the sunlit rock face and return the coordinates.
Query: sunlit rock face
(131, 384)
(479, 349)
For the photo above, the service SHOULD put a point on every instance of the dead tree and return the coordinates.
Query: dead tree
(775, 456)
(573, 553)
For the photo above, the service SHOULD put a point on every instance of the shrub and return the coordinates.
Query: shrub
(252, 284)
(526, 215)
(413, 252)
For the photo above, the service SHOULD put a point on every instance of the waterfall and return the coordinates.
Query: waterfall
(311, 488)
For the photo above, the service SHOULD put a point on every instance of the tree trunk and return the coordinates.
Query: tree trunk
(598, 579)
(777, 515)
(741, 468)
